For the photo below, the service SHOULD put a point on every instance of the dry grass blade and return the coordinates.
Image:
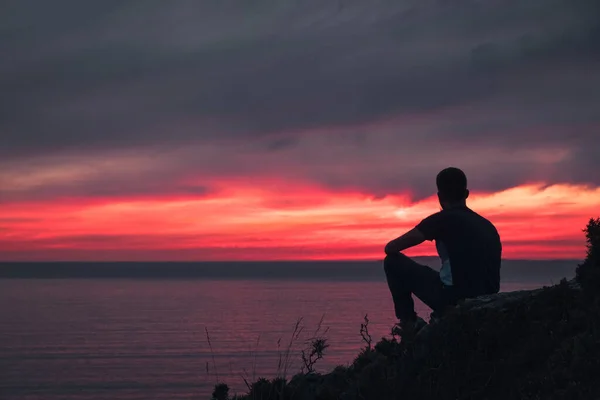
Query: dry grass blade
(212, 354)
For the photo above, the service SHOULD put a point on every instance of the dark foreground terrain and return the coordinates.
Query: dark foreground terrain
(541, 344)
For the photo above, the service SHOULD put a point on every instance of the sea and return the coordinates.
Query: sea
(83, 331)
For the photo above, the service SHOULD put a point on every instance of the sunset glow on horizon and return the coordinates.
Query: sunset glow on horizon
(535, 222)
(293, 130)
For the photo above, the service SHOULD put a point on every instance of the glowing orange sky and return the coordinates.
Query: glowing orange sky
(273, 222)
(292, 130)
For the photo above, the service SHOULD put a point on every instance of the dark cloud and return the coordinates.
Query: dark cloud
(298, 88)
(106, 190)
(281, 143)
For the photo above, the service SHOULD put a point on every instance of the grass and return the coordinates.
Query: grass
(544, 346)
(312, 350)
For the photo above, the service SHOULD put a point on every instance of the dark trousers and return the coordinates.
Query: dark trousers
(406, 277)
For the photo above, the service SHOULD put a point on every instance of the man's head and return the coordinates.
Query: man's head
(452, 187)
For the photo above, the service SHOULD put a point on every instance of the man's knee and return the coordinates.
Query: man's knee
(395, 262)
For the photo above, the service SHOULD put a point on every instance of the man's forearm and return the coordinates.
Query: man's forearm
(409, 239)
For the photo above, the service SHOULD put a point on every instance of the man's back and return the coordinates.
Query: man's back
(473, 247)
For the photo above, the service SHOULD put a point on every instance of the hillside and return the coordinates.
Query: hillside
(541, 344)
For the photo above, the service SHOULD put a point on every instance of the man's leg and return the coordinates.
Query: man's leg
(405, 277)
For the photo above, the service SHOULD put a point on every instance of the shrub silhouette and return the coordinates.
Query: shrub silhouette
(588, 273)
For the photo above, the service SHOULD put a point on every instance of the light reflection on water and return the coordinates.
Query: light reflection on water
(146, 339)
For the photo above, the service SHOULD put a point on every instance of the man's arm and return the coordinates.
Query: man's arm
(409, 239)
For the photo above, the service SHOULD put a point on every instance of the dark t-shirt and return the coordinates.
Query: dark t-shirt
(473, 247)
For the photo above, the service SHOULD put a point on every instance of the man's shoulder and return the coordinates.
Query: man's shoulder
(481, 217)
(435, 216)
(456, 215)
(443, 215)
(466, 213)
(483, 222)
(454, 212)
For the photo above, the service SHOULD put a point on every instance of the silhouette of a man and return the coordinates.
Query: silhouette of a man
(469, 248)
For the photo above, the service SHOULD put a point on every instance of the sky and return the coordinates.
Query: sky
(292, 129)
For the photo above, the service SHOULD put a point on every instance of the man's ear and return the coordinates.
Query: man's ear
(467, 193)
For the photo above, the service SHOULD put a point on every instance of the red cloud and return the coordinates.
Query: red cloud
(251, 223)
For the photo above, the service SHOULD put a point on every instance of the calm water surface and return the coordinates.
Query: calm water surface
(146, 339)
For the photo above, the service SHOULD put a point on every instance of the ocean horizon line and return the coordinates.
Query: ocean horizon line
(325, 270)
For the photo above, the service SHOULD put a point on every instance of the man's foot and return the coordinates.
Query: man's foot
(434, 317)
(411, 326)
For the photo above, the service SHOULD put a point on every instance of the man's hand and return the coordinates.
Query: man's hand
(409, 239)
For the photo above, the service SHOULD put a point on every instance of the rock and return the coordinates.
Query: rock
(498, 301)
